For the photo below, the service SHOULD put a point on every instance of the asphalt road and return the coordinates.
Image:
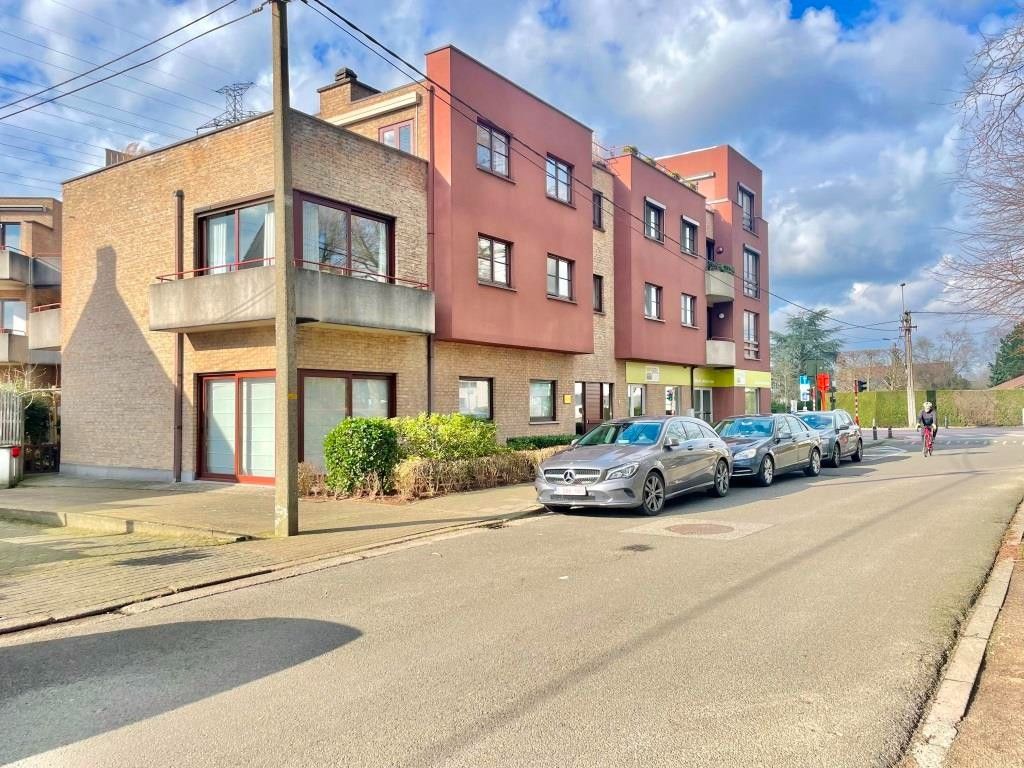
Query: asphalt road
(800, 625)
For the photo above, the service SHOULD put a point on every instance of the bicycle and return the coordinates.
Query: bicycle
(927, 441)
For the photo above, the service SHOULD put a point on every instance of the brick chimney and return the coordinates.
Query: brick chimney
(345, 89)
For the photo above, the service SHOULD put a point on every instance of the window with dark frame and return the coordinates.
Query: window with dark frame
(493, 261)
(349, 241)
(598, 210)
(492, 149)
(559, 179)
(751, 273)
(652, 301)
(476, 397)
(397, 135)
(745, 198)
(560, 277)
(689, 310)
(654, 220)
(751, 342)
(237, 238)
(542, 400)
(598, 293)
(688, 236)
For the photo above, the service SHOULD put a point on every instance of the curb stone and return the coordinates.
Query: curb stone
(110, 524)
(185, 592)
(951, 700)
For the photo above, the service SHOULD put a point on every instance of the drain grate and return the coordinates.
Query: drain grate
(716, 530)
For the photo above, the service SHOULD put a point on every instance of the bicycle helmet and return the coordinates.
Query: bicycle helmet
(928, 405)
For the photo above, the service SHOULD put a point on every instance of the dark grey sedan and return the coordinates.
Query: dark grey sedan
(764, 446)
(635, 464)
(840, 435)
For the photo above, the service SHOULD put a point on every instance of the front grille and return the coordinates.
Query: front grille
(583, 476)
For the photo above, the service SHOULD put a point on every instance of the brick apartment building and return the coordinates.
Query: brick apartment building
(446, 262)
(30, 277)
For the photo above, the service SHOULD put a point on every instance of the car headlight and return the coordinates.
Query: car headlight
(748, 453)
(623, 472)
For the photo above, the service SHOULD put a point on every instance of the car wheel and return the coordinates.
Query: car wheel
(720, 487)
(653, 495)
(859, 453)
(835, 458)
(766, 474)
(813, 468)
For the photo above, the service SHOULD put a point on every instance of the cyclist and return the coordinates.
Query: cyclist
(928, 422)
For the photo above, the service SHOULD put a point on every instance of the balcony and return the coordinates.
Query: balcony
(18, 269)
(721, 353)
(719, 284)
(44, 327)
(245, 297)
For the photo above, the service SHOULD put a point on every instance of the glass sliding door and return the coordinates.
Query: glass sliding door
(324, 406)
(219, 426)
(237, 427)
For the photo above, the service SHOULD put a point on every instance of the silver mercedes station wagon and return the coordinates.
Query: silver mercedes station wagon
(636, 463)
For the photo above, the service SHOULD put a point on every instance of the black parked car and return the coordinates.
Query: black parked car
(840, 435)
(764, 445)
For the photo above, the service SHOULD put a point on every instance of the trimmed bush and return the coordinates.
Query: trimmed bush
(535, 442)
(958, 408)
(445, 437)
(421, 478)
(360, 456)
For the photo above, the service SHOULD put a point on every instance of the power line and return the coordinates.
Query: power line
(140, 37)
(48, 165)
(114, 85)
(123, 55)
(30, 178)
(53, 135)
(513, 139)
(135, 66)
(45, 153)
(92, 45)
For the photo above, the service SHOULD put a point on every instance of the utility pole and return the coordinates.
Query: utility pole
(286, 400)
(907, 327)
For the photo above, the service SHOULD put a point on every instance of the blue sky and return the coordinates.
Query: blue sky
(846, 105)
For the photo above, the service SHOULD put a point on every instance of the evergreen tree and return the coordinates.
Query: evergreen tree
(806, 344)
(1009, 362)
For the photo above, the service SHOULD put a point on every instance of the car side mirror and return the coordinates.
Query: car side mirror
(672, 442)
(574, 443)
(778, 439)
(844, 427)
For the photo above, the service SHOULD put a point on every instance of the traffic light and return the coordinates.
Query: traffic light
(861, 386)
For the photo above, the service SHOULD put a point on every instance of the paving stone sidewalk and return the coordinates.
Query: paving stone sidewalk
(992, 733)
(53, 573)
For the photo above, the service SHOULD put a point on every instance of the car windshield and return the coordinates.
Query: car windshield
(817, 420)
(745, 428)
(630, 433)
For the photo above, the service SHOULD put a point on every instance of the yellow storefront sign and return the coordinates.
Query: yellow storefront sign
(679, 375)
(657, 373)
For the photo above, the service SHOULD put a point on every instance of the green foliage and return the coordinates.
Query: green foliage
(445, 437)
(37, 423)
(1009, 362)
(534, 442)
(957, 407)
(714, 266)
(360, 456)
(808, 343)
(420, 478)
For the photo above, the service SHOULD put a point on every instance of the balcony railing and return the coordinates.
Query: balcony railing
(242, 294)
(721, 353)
(44, 327)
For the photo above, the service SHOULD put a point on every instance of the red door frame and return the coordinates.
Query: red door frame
(237, 377)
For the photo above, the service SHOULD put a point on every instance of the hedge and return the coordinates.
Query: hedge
(535, 442)
(360, 456)
(421, 478)
(447, 437)
(956, 407)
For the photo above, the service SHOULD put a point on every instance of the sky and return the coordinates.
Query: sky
(848, 107)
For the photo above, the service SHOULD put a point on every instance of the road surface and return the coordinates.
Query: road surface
(801, 625)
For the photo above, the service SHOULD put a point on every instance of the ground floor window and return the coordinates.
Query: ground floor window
(476, 397)
(702, 405)
(606, 401)
(751, 400)
(580, 406)
(635, 399)
(673, 401)
(237, 426)
(542, 400)
(328, 397)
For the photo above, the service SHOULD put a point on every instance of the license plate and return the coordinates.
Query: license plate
(572, 490)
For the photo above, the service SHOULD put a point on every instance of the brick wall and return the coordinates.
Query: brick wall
(336, 101)
(511, 370)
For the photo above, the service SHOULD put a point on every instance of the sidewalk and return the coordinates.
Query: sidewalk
(52, 573)
(992, 733)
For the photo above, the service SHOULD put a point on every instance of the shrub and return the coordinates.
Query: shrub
(312, 480)
(360, 456)
(420, 478)
(532, 443)
(446, 437)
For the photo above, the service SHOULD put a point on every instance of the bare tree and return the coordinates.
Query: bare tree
(987, 273)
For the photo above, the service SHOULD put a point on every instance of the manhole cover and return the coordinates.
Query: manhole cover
(700, 529)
